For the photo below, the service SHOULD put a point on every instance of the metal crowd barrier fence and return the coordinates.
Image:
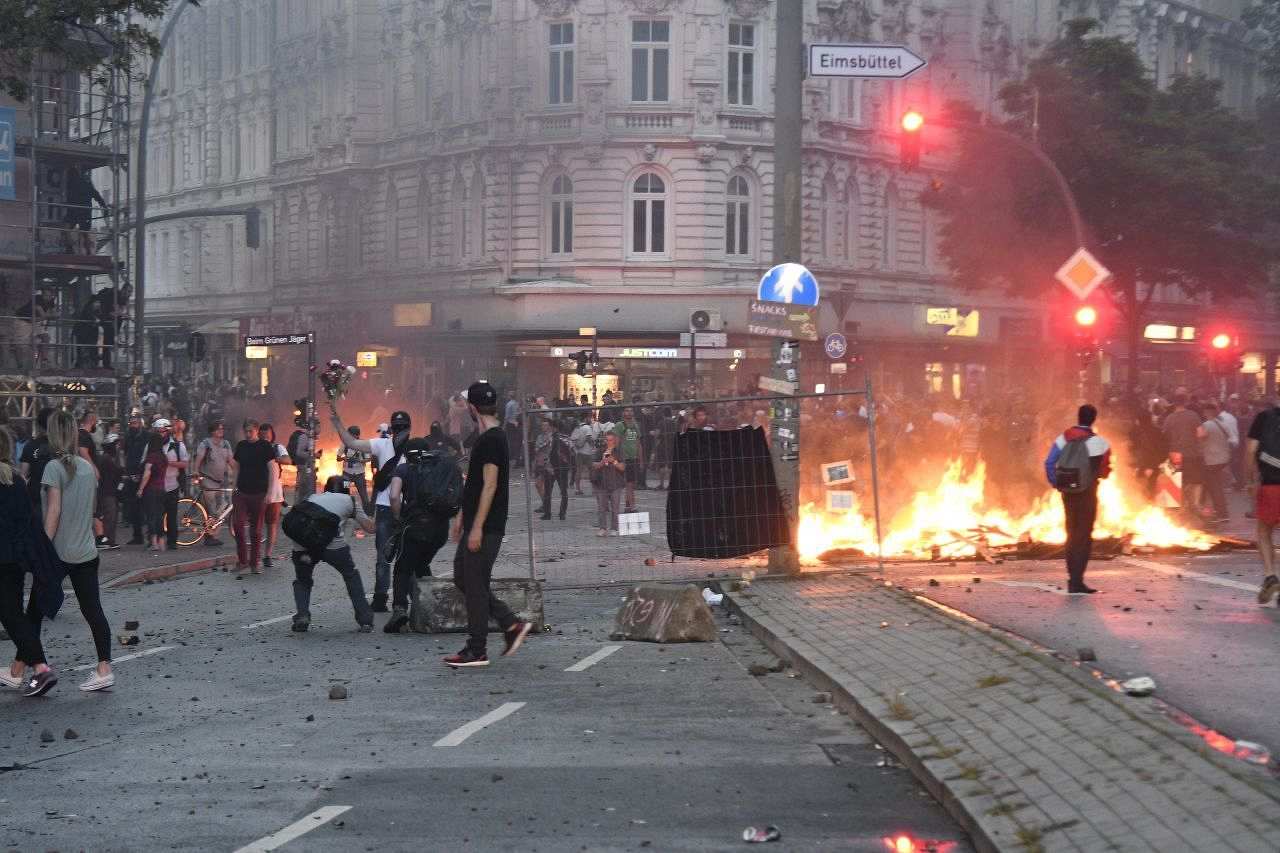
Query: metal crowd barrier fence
(689, 500)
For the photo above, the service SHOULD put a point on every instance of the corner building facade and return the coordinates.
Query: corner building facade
(460, 185)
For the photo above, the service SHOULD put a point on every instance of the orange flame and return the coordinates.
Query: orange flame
(956, 505)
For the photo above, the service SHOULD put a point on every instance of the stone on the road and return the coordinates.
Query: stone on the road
(664, 614)
(337, 691)
(439, 608)
(46, 736)
(1140, 686)
(70, 734)
(1084, 653)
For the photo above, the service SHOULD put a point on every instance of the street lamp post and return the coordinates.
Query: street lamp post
(140, 198)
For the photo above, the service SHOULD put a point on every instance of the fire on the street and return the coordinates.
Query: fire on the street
(952, 519)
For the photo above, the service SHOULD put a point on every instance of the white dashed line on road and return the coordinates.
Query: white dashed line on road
(1045, 587)
(1195, 576)
(267, 622)
(460, 734)
(592, 659)
(298, 828)
(142, 654)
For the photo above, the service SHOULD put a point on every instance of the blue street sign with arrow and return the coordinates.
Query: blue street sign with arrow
(789, 283)
(836, 345)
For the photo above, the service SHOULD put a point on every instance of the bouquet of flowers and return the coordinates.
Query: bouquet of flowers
(335, 377)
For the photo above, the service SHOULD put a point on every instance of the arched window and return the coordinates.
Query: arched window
(853, 220)
(392, 207)
(889, 241)
(832, 222)
(737, 217)
(461, 220)
(560, 215)
(424, 220)
(648, 215)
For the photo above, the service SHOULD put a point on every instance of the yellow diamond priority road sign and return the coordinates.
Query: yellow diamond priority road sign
(1082, 273)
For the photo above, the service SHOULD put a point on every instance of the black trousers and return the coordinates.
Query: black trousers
(25, 636)
(1081, 510)
(549, 479)
(471, 574)
(171, 517)
(133, 507)
(419, 543)
(84, 580)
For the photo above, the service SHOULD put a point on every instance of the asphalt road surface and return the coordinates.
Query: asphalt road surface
(1191, 623)
(220, 736)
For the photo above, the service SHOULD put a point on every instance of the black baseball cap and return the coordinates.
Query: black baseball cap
(400, 421)
(482, 394)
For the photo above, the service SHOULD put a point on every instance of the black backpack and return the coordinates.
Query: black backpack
(310, 525)
(435, 485)
(1269, 443)
(292, 447)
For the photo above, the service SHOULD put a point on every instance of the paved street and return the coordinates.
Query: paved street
(220, 733)
(1191, 623)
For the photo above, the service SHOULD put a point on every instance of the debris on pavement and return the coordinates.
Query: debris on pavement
(934, 582)
(131, 625)
(1140, 686)
(46, 736)
(128, 639)
(712, 598)
(1084, 653)
(756, 835)
(337, 691)
(822, 698)
(70, 734)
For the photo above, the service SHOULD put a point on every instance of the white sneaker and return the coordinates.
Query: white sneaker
(8, 680)
(99, 682)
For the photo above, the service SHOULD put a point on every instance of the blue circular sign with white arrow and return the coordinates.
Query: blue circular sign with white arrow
(836, 345)
(792, 284)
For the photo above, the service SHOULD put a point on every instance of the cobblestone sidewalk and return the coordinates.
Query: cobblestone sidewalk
(1029, 752)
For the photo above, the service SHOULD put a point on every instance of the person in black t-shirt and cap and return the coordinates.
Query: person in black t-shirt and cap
(35, 456)
(479, 531)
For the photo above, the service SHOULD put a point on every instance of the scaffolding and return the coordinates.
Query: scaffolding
(65, 334)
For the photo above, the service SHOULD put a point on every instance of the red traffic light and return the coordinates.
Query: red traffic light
(1086, 316)
(912, 121)
(1220, 341)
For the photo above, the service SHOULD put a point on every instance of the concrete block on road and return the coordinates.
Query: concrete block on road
(438, 606)
(664, 614)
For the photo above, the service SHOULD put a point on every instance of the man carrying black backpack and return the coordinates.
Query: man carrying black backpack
(426, 493)
(1077, 460)
(315, 526)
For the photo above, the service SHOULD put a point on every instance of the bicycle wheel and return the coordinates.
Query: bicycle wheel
(192, 519)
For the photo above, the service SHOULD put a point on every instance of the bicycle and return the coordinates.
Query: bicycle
(194, 523)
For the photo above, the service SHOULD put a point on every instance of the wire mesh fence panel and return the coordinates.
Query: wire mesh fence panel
(662, 491)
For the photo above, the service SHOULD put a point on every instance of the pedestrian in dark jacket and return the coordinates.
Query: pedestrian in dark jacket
(1080, 507)
(16, 554)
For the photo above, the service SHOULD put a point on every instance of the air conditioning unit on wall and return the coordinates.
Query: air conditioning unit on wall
(705, 321)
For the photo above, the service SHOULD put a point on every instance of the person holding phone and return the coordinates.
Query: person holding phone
(608, 479)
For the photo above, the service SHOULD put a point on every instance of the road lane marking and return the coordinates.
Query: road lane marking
(1196, 576)
(1046, 587)
(267, 622)
(142, 654)
(460, 734)
(592, 659)
(298, 828)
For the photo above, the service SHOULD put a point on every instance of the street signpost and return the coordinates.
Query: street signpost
(297, 339)
(836, 346)
(790, 284)
(884, 61)
(1082, 273)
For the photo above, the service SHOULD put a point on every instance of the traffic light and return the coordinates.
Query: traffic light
(196, 346)
(253, 229)
(300, 407)
(1224, 350)
(909, 139)
(583, 358)
(1086, 318)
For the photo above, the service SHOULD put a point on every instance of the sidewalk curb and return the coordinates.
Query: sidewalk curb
(988, 832)
(772, 637)
(173, 570)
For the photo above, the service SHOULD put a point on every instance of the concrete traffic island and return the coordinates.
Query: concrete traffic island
(1026, 751)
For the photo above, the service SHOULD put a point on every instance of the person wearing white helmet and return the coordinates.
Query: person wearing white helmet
(176, 453)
